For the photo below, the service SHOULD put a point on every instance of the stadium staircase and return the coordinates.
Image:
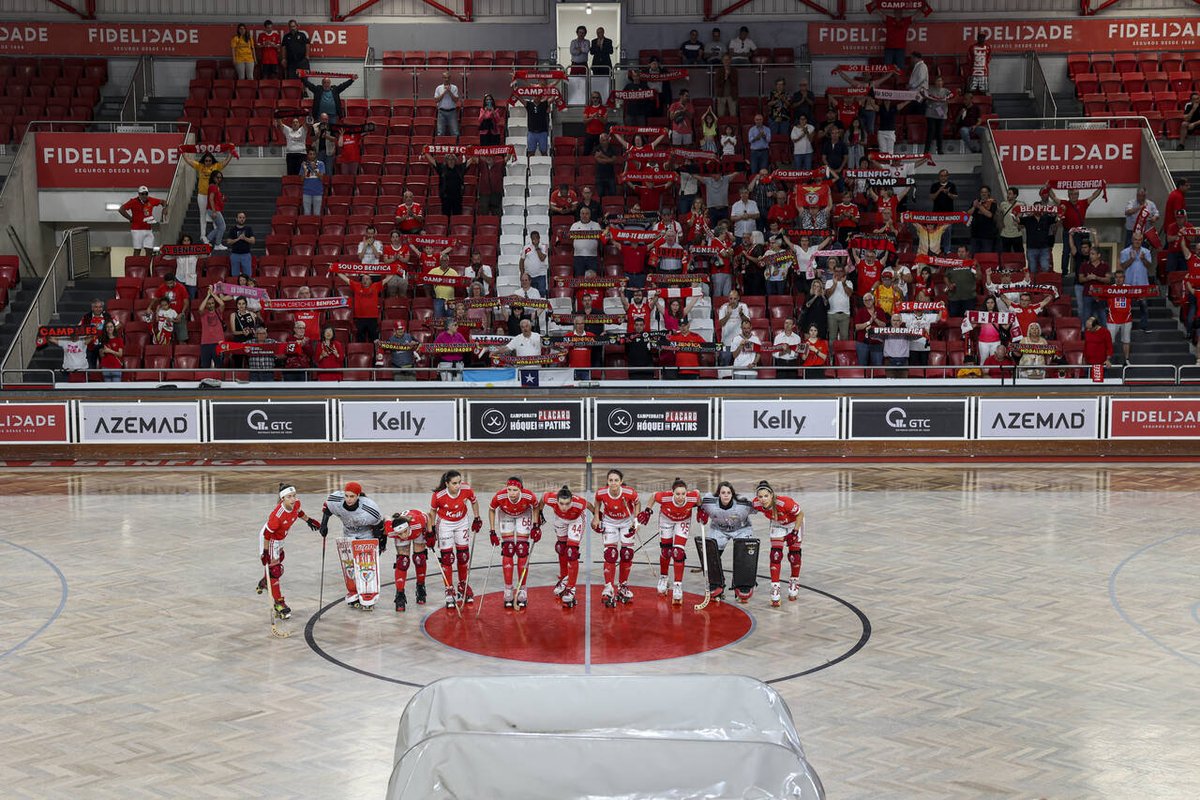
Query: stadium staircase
(255, 196)
(75, 301)
(524, 207)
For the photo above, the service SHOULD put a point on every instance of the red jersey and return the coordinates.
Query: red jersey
(452, 508)
(311, 321)
(668, 509)
(216, 199)
(526, 501)
(695, 227)
(784, 514)
(616, 509)
(850, 213)
(594, 117)
(981, 57)
(268, 43)
(637, 311)
(1025, 315)
(366, 300)
(418, 525)
(143, 213)
(281, 521)
(174, 296)
(410, 225)
(891, 203)
(349, 149)
(579, 357)
(1193, 263)
(1120, 310)
(868, 273)
(896, 31)
(573, 512)
(686, 361)
(1073, 215)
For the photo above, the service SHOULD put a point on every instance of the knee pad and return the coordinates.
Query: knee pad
(402, 562)
(464, 555)
(776, 555)
(794, 557)
(507, 548)
(420, 559)
(665, 549)
(626, 555)
(560, 547)
(446, 557)
(679, 554)
(610, 554)
(276, 570)
(572, 552)
(522, 548)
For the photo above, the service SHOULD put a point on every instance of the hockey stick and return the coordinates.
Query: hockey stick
(466, 581)
(321, 594)
(524, 572)
(271, 605)
(704, 558)
(633, 520)
(486, 578)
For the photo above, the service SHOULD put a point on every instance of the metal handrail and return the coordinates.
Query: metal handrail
(1039, 87)
(141, 83)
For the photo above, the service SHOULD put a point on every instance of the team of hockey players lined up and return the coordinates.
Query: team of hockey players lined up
(516, 517)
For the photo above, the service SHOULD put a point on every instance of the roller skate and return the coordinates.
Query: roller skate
(677, 594)
(262, 585)
(568, 597)
(451, 602)
(716, 594)
(561, 586)
(608, 597)
(401, 601)
(421, 594)
(508, 597)
(625, 594)
(794, 589)
(775, 597)
(281, 610)
(743, 595)
(522, 599)
(466, 595)
(662, 585)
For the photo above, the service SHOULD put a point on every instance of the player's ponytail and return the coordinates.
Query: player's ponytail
(565, 493)
(618, 473)
(678, 483)
(447, 476)
(765, 486)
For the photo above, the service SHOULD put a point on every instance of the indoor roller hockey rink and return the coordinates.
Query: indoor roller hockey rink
(1006, 631)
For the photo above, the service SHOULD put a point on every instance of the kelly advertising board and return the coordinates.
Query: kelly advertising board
(1165, 418)
(170, 39)
(139, 423)
(399, 421)
(1030, 158)
(545, 420)
(908, 419)
(779, 420)
(107, 160)
(653, 419)
(269, 422)
(1011, 36)
(34, 423)
(1039, 418)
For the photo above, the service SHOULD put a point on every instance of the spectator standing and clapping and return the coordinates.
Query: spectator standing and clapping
(1134, 219)
(330, 356)
(895, 38)
(936, 109)
(140, 213)
(815, 351)
(787, 350)
(725, 87)
(451, 179)
(205, 166)
(295, 137)
(1097, 343)
(918, 77)
(983, 222)
(802, 143)
(366, 305)
(298, 360)
(602, 53)
(212, 330)
(216, 209)
(295, 49)
(449, 101)
(580, 49)
(1010, 226)
(239, 239)
(1136, 262)
(313, 185)
(1039, 239)
(779, 108)
(370, 249)
(745, 346)
(758, 139)
(1095, 271)
(268, 51)
(968, 124)
(680, 117)
(179, 299)
(326, 142)
(839, 291)
(535, 263)
(242, 47)
(112, 350)
(491, 122)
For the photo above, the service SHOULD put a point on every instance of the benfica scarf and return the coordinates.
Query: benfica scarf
(1141, 224)
(1025, 209)
(906, 333)
(848, 91)
(525, 302)
(409, 346)
(799, 175)
(681, 292)
(1123, 291)
(692, 347)
(259, 348)
(522, 94)
(540, 75)
(813, 233)
(627, 95)
(900, 158)
(1068, 185)
(663, 76)
(933, 218)
(484, 151)
(879, 177)
(1001, 318)
(1037, 349)
(832, 254)
(868, 69)
(445, 349)
(706, 251)
(629, 131)
(1032, 288)
(490, 339)
(177, 250)
(691, 154)
(445, 149)
(896, 95)
(340, 76)
(426, 240)
(862, 241)
(649, 155)
(481, 302)
(676, 279)
(653, 177)
(457, 281)
(352, 127)
(949, 262)
(589, 319)
(584, 235)
(47, 332)
(549, 360)
(210, 148)
(622, 236)
(577, 340)
(354, 268)
(237, 290)
(303, 303)
(908, 307)
(899, 5)
(590, 283)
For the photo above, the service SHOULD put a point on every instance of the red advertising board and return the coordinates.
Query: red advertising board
(38, 423)
(1154, 419)
(1030, 158)
(181, 40)
(1012, 36)
(106, 160)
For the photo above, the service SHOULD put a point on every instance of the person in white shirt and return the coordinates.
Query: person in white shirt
(742, 48)
(744, 214)
(587, 249)
(745, 356)
(802, 146)
(535, 262)
(918, 352)
(918, 79)
(526, 343)
(530, 292)
(731, 316)
(477, 270)
(838, 290)
(806, 255)
(448, 102)
(295, 147)
(370, 249)
(1134, 209)
(715, 47)
(74, 354)
(787, 358)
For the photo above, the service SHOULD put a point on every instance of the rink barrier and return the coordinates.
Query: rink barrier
(900, 419)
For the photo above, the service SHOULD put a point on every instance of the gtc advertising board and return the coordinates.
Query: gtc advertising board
(399, 421)
(908, 419)
(172, 39)
(1167, 418)
(270, 422)
(1039, 418)
(544, 420)
(34, 423)
(653, 419)
(139, 423)
(1030, 158)
(779, 420)
(106, 160)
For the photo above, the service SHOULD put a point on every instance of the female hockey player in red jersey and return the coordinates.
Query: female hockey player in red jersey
(448, 511)
(514, 507)
(617, 508)
(270, 544)
(674, 526)
(786, 522)
(563, 511)
(411, 531)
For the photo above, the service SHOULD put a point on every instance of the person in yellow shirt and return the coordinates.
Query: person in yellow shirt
(243, 52)
(886, 293)
(205, 167)
(443, 296)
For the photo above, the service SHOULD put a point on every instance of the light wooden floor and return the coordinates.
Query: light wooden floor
(1035, 632)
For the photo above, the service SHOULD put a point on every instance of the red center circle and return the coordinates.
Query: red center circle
(649, 629)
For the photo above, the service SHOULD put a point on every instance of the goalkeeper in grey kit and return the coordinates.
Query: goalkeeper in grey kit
(728, 517)
(364, 538)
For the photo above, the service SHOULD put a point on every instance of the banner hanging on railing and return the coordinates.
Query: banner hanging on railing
(1012, 37)
(107, 160)
(1032, 157)
(171, 39)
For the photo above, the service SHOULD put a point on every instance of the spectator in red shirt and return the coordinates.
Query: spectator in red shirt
(895, 41)
(268, 49)
(564, 200)
(1073, 214)
(349, 154)
(410, 216)
(999, 364)
(595, 118)
(330, 355)
(176, 294)
(1176, 200)
(687, 362)
(580, 354)
(1097, 343)
(869, 347)
(366, 305)
(140, 213)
